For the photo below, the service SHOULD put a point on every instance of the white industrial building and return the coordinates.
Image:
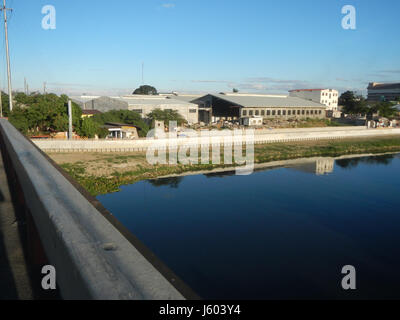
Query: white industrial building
(248, 109)
(142, 104)
(327, 97)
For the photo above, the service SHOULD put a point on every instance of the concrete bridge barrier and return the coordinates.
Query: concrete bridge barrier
(94, 256)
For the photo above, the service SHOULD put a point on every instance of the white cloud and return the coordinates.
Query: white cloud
(168, 5)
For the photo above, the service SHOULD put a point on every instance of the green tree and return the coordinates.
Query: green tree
(89, 128)
(385, 109)
(18, 119)
(43, 113)
(353, 104)
(146, 90)
(6, 104)
(123, 116)
(166, 116)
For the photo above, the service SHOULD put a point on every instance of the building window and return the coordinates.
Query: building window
(279, 112)
(303, 112)
(284, 112)
(308, 112)
(138, 110)
(312, 111)
(298, 112)
(192, 111)
(263, 112)
(257, 112)
(268, 112)
(245, 112)
(250, 112)
(289, 112)
(273, 112)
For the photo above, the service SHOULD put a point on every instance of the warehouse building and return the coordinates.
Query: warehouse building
(238, 107)
(383, 91)
(141, 104)
(145, 104)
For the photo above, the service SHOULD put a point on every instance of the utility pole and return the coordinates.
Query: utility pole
(69, 119)
(44, 87)
(26, 91)
(1, 104)
(4, 9)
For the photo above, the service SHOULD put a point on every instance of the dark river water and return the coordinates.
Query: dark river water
(280, 233)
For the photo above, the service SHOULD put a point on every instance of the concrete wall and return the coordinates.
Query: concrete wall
(217, 138)
(93, 259)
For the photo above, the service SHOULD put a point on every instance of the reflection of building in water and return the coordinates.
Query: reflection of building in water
(320, 166)
(324, 165)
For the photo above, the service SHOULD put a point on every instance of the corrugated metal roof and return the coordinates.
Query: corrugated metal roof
(267, 101)
(154, 101)
(187, 98)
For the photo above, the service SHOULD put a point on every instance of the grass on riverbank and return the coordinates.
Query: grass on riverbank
(102, 173)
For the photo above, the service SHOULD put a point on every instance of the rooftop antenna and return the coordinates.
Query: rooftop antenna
(4, 9)
(142, 72)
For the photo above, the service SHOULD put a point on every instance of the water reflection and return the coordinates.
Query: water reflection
(317, 166)
(354, 162)
(172, 182)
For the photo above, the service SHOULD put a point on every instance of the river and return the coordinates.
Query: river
(280, 233)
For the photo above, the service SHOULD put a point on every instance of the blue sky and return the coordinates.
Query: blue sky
(261, 46)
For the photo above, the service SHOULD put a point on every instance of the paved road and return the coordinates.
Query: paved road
(14, 280)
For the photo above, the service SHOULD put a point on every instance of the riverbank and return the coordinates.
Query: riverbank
(102, 173)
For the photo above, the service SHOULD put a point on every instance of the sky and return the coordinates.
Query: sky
(262, 46)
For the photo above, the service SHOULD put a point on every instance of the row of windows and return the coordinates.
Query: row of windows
(330, 94)
(280, 112)
(326, 101)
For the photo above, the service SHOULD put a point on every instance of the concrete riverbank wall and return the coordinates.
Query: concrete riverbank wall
(216, 138)
(93, 255)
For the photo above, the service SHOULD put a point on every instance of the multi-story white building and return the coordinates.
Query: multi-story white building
(327, 97)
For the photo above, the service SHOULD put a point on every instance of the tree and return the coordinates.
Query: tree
(353, 104)
(234, 90)
(42, 113)
(18, 119)
(89, 128)
(146, 90)
(385, 109)
(166, 116)
(123, 116)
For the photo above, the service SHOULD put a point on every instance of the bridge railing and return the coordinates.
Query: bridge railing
(95, 257)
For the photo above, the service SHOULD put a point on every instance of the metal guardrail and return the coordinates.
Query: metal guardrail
(94, 256)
